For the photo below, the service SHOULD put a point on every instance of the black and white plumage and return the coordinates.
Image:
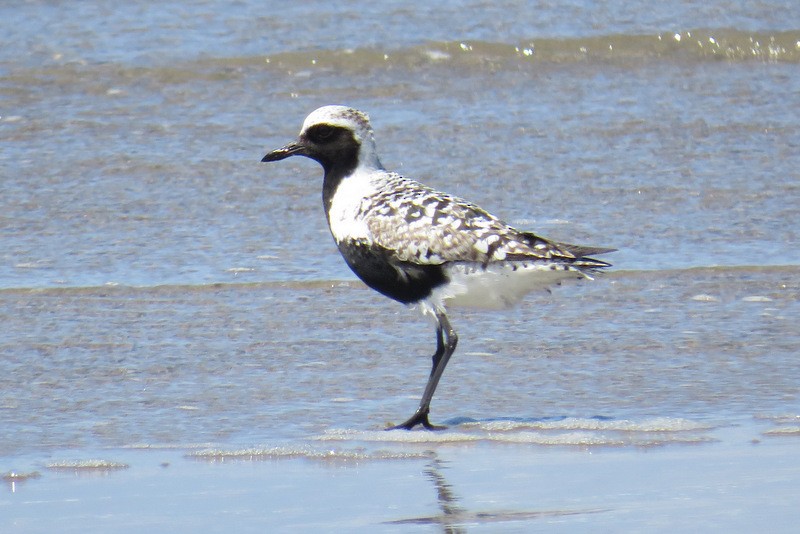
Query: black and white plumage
(420, 246)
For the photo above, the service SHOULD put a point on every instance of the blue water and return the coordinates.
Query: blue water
(163, 290)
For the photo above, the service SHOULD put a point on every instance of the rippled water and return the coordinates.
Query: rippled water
(146, 175)
(160, 287)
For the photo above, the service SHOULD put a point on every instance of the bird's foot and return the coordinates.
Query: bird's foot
(419, 418)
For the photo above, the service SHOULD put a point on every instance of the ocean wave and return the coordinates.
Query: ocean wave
(696, 45)
(704, 45)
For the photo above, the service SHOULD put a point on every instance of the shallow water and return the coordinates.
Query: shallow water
(173, 305)
(241, 363)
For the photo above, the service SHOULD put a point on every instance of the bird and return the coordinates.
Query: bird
(420, 246)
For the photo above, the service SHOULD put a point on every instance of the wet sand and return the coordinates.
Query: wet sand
(251, 363)
(641, 402)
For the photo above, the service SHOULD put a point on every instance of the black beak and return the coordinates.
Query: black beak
(292, 149)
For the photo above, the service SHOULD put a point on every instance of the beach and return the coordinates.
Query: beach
(183, 348)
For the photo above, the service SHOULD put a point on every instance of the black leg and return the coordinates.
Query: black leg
(446, 340)
(437, 356)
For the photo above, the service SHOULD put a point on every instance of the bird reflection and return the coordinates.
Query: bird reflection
(452, 514)
(453, 518)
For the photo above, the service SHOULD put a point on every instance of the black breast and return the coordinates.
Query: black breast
(401, 281)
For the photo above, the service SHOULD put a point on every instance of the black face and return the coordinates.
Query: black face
(322, 134)
(334, 147)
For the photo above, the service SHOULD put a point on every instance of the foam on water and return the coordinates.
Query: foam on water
(86, 465)
(302, 451)
(589, 432)
(782, 425)
(360, 445)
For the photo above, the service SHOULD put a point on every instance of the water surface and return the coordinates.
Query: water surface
(175, 314)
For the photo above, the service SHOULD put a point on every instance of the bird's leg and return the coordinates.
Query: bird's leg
(437, 356)
(446, 340)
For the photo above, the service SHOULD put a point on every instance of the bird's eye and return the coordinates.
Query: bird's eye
(322, 133)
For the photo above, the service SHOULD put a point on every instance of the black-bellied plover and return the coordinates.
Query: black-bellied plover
(420, 246)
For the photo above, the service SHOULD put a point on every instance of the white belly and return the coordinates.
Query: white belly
(500, 285)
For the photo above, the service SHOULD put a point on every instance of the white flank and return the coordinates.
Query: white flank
(500, 285)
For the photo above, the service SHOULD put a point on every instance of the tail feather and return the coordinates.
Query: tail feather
(580, 253)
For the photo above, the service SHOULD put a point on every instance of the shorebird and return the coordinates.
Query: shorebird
(420, 246)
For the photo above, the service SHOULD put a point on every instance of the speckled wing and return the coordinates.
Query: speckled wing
(424, 226)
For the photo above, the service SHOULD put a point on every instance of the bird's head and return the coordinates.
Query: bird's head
(336, 137)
